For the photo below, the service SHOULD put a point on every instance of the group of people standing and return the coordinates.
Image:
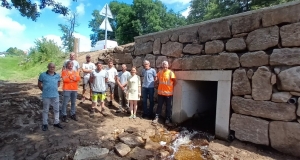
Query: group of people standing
(99, 80)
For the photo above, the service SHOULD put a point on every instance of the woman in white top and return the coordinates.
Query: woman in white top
(133, 91)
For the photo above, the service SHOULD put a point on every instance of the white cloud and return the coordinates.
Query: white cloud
(186, 12)
(55, 38)
(175, 1)
(84, 42)
(11, 31)
(80, 9)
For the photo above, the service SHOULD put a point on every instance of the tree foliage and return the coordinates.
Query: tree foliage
(142, 17)
(68, 29)
(31, 10)
(14, 51)
(202, 10)
(44, 51)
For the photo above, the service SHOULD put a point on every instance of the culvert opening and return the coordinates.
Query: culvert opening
(204, 95)
(202, 102)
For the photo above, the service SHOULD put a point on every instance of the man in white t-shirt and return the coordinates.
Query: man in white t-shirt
(76, 65)
(112, 76)
(87, 69)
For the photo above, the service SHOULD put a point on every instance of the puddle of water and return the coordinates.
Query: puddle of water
(184, 145)
(187, 152)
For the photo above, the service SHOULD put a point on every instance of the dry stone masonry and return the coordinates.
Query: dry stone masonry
(262, 48)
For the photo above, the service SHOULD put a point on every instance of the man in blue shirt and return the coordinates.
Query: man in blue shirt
(48, 83)
(150, 77)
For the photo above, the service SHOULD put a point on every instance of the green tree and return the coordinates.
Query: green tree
(44, 51)
(68, 29)
(14, 51)
(202, 10)
(30, 10)
(142, 17)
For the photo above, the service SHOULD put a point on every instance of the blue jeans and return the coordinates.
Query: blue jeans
(148, 92)
(161, 100)
(67, 96)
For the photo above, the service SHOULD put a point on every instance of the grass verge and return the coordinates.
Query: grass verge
(11, 71)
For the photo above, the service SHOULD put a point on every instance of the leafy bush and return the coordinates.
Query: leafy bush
(45, 51)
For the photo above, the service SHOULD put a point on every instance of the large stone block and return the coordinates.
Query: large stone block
(174, 37)
(227, 60)
(122, 58)
(264, 109)
(193, 48)
(156, 46)
(159, 61)
(221, 61)
(213, 47)
(122, 149)
(118, 49)
(263, 38)
(186, 63)
(283, 14)
(137, 61)
(236, 44)
(289, 80)
(281, 97)
(164, 39)
(261, 84)
(298, 109)
(214, 30)
(254, 59)
(256, 130)
(285, 56)
(290, 35)
(177, 64)
(172, 49)
(245, 23)
(128, 48)
(90, 153)
(151, 59)
(188, 38)
(240, 83)
(140, 154)
(143, 48)
(284, 137)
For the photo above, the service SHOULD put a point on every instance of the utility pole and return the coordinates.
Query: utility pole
(105, 24)
(76, 46)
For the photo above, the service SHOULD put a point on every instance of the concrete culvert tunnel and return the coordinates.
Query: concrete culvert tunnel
(202, 101)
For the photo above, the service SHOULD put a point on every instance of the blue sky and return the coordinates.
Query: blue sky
(20, 32)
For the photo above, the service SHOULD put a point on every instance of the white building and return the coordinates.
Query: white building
(101, 45)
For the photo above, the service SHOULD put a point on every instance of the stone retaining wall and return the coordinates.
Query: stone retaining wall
(263, 50)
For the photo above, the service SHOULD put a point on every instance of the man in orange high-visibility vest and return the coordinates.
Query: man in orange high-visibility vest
(166, 82)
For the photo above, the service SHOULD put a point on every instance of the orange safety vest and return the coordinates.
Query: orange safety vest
(166, 85)
(70, 79)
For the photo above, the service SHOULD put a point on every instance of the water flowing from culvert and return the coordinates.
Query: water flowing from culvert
(186, 145)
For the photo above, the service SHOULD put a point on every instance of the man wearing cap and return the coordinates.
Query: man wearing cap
(76, 65)
(87, 69)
